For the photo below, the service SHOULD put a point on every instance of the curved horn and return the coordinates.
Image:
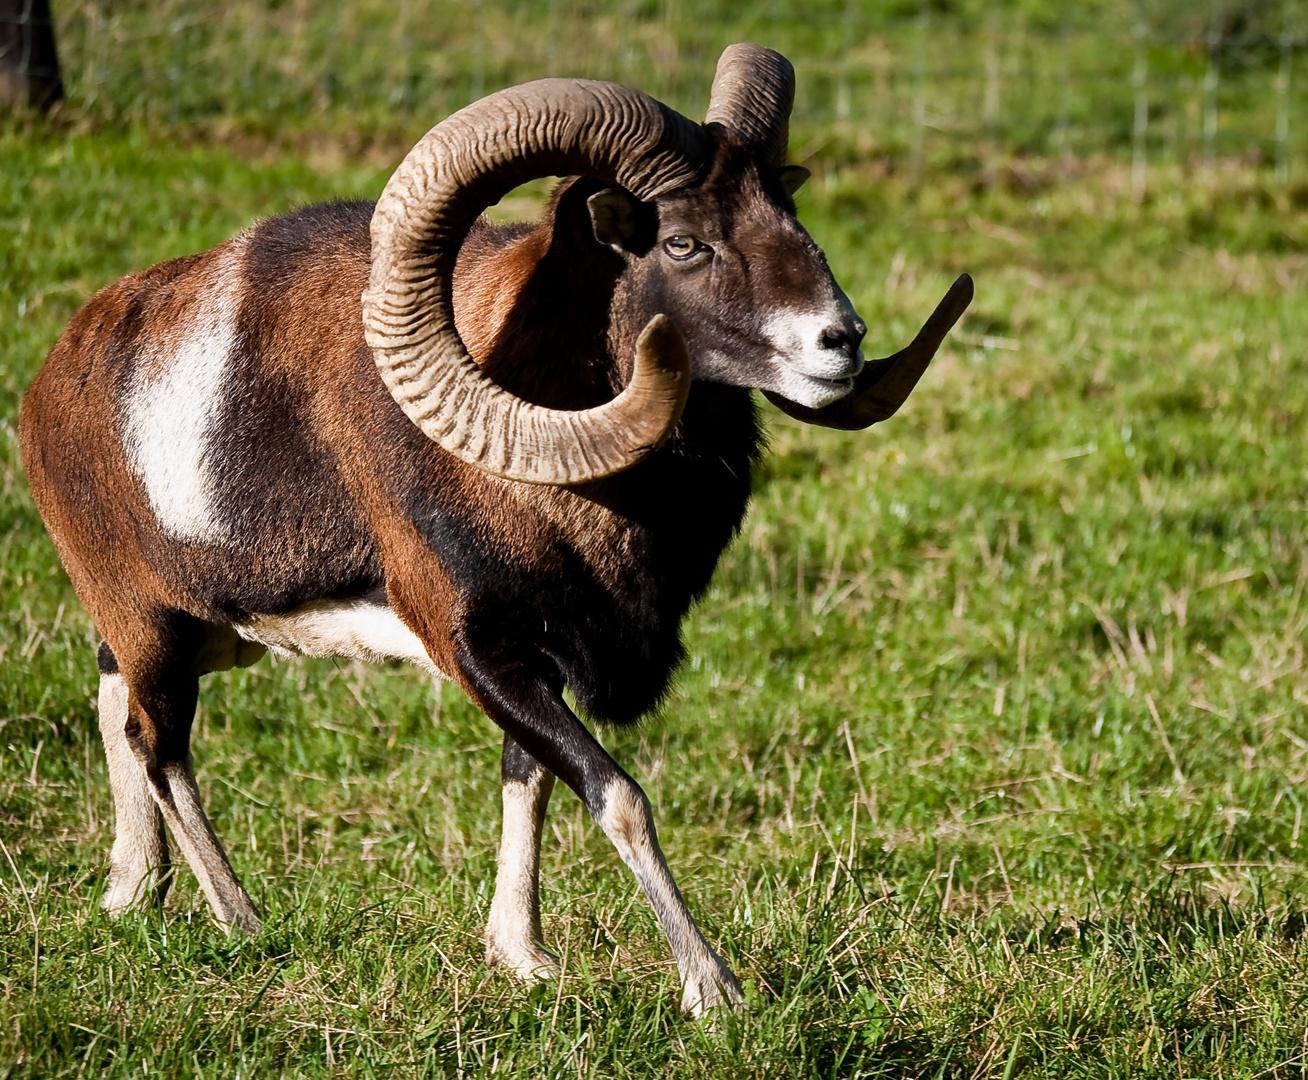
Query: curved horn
(467, 162)
(753, 92)
(884, 385)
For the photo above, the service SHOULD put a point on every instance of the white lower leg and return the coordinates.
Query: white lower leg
(513, 934)
(138, 863)
(179, 799)
(705, 978)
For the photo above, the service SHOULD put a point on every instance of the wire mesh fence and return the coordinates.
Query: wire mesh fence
(1161, 82)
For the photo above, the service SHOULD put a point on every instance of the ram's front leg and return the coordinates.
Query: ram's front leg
(623, 812)
(532, 712)
(513, 934)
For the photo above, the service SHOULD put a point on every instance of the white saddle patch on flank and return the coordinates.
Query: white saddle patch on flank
(176, 395)
(352, 628)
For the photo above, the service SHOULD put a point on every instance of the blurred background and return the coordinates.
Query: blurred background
(1172, 81)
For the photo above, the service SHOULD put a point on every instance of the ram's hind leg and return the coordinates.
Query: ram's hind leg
(179, 799)
(513, 934)
(163, 687)
(138, 863)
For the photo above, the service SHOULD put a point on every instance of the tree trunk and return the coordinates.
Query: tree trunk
(29, 66)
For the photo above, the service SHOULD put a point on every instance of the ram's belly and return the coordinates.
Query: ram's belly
(355, 629)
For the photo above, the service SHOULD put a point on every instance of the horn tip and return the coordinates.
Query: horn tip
(959, 296)
(750, 49)
(663, 342)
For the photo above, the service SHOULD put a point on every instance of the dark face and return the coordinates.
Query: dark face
(752, 293)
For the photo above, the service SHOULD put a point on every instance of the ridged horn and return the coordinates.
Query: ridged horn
(884, 385)
(753, 93)
(469, 161)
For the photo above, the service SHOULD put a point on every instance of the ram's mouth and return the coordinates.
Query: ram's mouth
(828, 366)
(836, 386)
(812, 391)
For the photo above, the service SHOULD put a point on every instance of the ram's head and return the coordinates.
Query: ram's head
(723, 282)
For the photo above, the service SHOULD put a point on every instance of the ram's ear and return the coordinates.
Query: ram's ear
(622, 221)
(793, 177)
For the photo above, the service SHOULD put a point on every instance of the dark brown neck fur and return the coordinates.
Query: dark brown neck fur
(532, 304)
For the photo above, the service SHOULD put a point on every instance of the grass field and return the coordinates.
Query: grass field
(989, 760)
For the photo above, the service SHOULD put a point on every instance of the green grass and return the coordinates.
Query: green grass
(989, 760)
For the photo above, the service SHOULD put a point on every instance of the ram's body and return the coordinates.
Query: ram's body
(222, 470)
(252, 463)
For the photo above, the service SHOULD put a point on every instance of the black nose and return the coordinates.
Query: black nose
(845, 338)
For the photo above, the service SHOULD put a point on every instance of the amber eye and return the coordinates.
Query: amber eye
(681, 247)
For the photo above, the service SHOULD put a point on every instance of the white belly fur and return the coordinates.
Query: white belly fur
(352, 628)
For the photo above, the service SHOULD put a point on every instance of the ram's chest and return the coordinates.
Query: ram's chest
(609, 620)
(596, 579)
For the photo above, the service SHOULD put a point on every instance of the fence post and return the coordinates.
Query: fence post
(29, 65)
(1140, 129)
(1210, 85)
(991, 99)
(1061, 143)
(993, 75)
(918, 132)
(1283, 100)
